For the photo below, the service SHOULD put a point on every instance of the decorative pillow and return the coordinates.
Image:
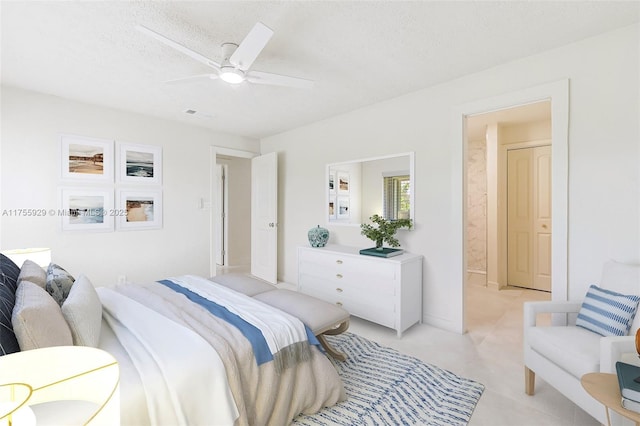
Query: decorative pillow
(37, 319)
(59, 283)
(607, 312)
(33, 272)
(83, 312)
(9, 272)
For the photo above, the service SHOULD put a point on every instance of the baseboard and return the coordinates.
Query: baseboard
(442, 323)
(493, 285)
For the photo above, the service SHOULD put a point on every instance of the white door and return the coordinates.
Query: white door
(264, 215)
(529, 217)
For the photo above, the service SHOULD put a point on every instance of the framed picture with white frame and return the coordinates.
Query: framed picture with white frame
(332, 207)
(85, 158)
(86, 209)
(343, 208)
(332, 183)
(139, 164)
(343, 182)
(138, 209)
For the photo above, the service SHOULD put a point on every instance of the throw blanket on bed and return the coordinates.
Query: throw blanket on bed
(263, 396)
(159, 348)
(274, 334)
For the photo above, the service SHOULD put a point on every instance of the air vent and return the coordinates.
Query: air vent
(198, 114)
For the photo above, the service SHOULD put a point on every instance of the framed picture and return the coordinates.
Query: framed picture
(343, 208)
(332, 181)
(139, 209)
(86, 209)
(343, 183)
(86, 158)
(139, 164)
(332, 207)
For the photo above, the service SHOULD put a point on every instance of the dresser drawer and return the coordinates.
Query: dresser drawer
(334, 291)
(360, 265)
(369, 307)
(366, 276)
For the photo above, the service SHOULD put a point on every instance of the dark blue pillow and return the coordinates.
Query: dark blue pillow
(9, 272)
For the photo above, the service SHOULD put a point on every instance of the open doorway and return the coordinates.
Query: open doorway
(508, 210)
(230, 210)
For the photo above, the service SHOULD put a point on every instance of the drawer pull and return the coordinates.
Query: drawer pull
(338, 275)
(339, 290)
(339, 303)
(339, 262)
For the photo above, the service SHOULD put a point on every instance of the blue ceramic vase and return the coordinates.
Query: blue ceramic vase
(318, 236)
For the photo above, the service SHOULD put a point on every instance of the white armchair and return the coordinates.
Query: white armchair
(560, 355)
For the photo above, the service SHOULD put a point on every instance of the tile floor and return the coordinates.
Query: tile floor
(491, 353)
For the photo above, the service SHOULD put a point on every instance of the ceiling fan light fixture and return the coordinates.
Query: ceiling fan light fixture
(231, 75)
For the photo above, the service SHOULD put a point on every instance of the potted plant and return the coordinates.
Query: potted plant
(384, 231)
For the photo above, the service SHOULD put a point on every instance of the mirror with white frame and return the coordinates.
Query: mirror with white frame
(358, 189)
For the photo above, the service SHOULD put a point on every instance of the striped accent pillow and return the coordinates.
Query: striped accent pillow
(606, 312)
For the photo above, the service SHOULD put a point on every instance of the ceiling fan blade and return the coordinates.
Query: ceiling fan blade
(259, 77)
(195, 55)
(192, 77)
(251, 46)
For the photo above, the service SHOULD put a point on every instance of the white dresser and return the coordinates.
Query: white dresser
(387, 291)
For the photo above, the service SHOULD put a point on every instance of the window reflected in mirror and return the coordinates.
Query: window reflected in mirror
(396, 199)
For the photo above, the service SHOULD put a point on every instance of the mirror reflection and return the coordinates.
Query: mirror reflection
(359, 189)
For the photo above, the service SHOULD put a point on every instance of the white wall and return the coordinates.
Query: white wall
(30, 157)
(604, 190)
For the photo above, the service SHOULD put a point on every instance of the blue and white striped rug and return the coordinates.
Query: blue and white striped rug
(385, 387)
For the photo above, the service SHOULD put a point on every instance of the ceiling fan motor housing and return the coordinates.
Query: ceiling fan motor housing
(227, 51)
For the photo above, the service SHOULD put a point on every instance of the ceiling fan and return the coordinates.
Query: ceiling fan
(236, 60)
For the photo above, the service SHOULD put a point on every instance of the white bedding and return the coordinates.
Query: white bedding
(159, 349)
(263, 394)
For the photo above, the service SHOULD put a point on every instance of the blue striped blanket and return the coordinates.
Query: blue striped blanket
(274, 335)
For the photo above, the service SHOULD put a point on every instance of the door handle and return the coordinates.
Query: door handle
(272, 225)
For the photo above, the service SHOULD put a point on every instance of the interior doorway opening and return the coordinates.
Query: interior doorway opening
(230, 230)
(503, 200)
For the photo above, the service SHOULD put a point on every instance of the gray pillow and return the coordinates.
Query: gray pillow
(83, 311)
(33, 272)
(59, 283)
(37, 319)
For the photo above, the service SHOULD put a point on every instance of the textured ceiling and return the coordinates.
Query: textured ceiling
(357, 52)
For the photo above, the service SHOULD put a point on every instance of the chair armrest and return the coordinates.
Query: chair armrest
(612, 348)
(532, 309)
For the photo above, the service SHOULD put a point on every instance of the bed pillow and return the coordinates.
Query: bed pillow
(33, 272)
(37, 319)
(83, 312)
(9, 272)
(607, 312)
(59, 283)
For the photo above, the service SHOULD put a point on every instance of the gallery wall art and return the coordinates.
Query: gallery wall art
(135, 175)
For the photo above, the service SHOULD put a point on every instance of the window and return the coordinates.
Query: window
(396, 197)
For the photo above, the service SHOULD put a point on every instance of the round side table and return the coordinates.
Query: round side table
(604, 388)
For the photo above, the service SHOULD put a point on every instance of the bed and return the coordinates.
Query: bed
(186, 347)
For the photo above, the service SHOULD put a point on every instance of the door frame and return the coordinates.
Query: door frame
(558, 93)
(214, 151)
(221, 213)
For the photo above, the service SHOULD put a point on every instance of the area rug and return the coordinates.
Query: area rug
(386, 387)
